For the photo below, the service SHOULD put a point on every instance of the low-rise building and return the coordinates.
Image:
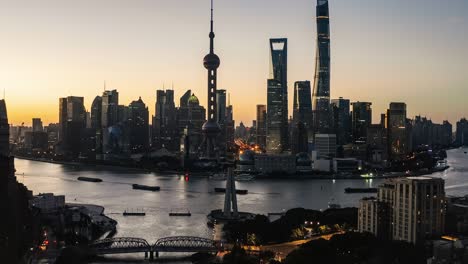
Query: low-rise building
(346, 165)
(48, 202)
(281, 163)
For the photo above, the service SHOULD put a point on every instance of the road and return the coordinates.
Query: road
(282, 250)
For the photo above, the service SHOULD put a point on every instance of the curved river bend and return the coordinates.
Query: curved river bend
(115, 193)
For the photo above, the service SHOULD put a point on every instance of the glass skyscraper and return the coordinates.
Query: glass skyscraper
(302, 106)
(321, 94)
(277, 98)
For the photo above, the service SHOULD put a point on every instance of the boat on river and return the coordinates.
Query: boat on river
(89, 179)
(180, 213)
(133, 213)
(361, 190)
(146, 187)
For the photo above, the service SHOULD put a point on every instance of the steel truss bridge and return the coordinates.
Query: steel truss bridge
(124, 245)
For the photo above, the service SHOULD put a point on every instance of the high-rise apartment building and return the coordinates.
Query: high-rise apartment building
(321, 93)
(277, 98)
(408, 209)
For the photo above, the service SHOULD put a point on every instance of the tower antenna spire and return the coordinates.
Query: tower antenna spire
(212, 35)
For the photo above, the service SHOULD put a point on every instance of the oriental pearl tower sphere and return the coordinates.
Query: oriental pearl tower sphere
(211, 128)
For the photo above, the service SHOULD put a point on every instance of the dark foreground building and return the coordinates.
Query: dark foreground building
(16, 221)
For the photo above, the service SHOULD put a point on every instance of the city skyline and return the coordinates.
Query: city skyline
(401, 68)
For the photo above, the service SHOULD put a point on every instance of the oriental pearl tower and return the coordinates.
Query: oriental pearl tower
(211, 128)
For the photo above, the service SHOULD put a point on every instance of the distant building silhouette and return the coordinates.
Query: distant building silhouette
(361, 120)
(4, 130)
(261, 126)
(341, 120)
(191, 116)
(72, 125)
(165, 132)
(302, 107)
(138, 122)
(277, 98)
(397, 131)
(96, 123)
(37, 125)
(462, 132)
(299, 137)
(109, 117)
(221, 119)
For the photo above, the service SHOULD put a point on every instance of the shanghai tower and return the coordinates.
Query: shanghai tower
(211, 128)
(321, 93)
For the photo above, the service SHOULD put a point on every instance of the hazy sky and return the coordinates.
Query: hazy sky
(414, 51)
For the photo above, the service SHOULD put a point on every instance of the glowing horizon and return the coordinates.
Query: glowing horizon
(382, 52)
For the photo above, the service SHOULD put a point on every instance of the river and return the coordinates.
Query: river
(115, 193)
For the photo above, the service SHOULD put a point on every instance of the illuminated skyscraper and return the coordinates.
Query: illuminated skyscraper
(211, 128)
(321, 94)
(277, 98)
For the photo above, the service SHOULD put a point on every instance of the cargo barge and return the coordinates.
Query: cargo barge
(146, 188)
(87, 179)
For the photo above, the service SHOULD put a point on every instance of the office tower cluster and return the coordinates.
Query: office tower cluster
(328, 129)
(407, 209)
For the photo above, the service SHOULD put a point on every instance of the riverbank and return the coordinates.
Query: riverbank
(95, 165)
(297, 176)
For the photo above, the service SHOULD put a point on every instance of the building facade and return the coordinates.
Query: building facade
(261, 126)
(325, 145)
(165, 132)
(302, 105)
(397, 131)
(408, 209)
(341, 120)
(361, 120)
(321, 93)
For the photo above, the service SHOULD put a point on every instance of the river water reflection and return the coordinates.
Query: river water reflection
(115, 193)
